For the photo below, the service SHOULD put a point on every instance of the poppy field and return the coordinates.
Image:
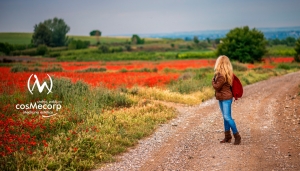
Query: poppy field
(119, 74)
(106, 106)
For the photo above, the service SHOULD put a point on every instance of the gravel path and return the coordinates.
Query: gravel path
(267, 117)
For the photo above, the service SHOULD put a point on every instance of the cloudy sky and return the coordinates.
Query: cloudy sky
(117, 17)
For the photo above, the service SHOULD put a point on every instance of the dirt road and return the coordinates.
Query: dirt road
(267, 117)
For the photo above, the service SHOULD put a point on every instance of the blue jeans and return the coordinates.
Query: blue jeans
(225, 106)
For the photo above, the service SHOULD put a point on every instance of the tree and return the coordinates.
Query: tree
(196, 40)
(243, 44)
(6, 48)
(297, 49)
(41, 35)
(208, 40)
(56, 27)
(135, 39)
(97, 34)
(290, 41)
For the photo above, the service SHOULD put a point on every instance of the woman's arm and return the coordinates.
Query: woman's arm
(218, 82)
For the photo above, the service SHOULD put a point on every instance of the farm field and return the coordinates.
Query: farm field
(105, 107)
(25, 38)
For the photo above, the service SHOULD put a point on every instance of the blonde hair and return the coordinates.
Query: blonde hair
(224, 67)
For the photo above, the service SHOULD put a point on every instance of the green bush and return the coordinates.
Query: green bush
(107, 49)
(297, 49)
(104, 49)
(244, 45)
(287, 66)
(19, 68)
(27, 52)
(6, 48)
(78, 44)
(41, 50)
(22, 47)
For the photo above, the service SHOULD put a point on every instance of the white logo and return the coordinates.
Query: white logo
(39, 86)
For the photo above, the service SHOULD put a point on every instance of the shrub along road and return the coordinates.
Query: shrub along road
(267, 117)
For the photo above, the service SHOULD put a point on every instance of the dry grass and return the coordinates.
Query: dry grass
(167, 95)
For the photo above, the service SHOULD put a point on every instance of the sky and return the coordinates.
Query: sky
(125, 17)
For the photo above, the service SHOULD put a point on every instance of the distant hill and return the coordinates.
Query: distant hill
(270, 33)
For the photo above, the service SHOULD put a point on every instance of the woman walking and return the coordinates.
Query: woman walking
(222, 83)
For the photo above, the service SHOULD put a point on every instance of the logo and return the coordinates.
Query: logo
(38, 85)
(45, 108)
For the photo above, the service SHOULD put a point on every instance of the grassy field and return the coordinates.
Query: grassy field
(16, 38)
(25, 38)
(281, 50)
(95, 55)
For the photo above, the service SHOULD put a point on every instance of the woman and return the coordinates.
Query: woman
(222, 82)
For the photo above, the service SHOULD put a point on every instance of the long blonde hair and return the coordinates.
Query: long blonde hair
(224, 67)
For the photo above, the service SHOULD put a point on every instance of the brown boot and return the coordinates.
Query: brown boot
(237, 139)
(227, 138)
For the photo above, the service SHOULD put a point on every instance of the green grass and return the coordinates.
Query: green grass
(25, 38)
(281, 50)
(16, 38)
(95, 55)
(101, 39)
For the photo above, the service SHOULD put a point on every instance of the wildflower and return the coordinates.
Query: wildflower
(45, 143)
